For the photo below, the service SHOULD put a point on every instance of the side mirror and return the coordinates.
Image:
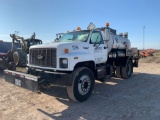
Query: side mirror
(56, 40)
(107, 35)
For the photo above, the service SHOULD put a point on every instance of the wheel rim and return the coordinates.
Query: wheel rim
(15, 58)
(84, 84)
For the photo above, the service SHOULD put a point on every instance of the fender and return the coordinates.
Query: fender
(74, 59)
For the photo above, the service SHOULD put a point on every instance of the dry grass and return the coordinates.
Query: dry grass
(155, 59)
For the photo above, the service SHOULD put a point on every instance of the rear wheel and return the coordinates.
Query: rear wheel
(127, 70)
(82, 85)
(118, 71)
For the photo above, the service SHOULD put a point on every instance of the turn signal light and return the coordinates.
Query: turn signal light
(66, 50)
(78, 28)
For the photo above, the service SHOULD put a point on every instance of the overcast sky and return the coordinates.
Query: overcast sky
(48, 17)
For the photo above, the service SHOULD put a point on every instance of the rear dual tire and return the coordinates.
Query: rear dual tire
(125, 71)
(118, 72)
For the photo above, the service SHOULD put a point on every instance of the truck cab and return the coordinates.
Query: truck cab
(71, 49)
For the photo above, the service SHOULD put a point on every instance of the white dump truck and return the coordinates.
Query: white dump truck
(76, 59)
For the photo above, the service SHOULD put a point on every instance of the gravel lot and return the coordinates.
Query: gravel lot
(136, 98)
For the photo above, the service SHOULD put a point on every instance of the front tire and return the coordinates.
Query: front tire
(82, 85)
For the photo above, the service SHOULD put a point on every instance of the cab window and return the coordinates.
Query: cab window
(96, 38)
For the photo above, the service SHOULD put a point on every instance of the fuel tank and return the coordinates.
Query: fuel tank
(115, 41)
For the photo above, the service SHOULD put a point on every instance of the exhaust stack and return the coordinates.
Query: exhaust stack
(126, 34)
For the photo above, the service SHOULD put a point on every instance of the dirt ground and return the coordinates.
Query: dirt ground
(116, 99)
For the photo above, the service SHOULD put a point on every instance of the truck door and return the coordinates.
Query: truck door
(97, 47)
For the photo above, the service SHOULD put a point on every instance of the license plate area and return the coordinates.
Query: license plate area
(18, 82)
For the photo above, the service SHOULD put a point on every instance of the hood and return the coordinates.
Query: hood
(73, 47)
(58, 44)
(48, 45)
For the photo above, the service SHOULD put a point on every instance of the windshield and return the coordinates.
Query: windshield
(34, 42)
(75, 36)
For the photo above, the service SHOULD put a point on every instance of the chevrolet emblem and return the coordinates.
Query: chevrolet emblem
(40, 57)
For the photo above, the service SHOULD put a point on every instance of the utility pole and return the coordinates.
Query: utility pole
(143, 36)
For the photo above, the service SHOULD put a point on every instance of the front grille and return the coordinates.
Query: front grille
(44, 57)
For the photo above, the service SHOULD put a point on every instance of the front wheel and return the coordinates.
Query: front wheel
(82, 85)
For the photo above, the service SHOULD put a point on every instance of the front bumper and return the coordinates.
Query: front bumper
(27, 81)
(35, 82)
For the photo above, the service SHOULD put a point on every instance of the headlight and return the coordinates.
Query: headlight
(63, 63)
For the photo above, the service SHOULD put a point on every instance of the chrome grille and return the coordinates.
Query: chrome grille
(45, 57)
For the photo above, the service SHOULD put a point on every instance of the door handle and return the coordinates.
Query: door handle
(105, 47)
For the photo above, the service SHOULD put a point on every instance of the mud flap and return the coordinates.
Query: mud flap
(23, 80)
